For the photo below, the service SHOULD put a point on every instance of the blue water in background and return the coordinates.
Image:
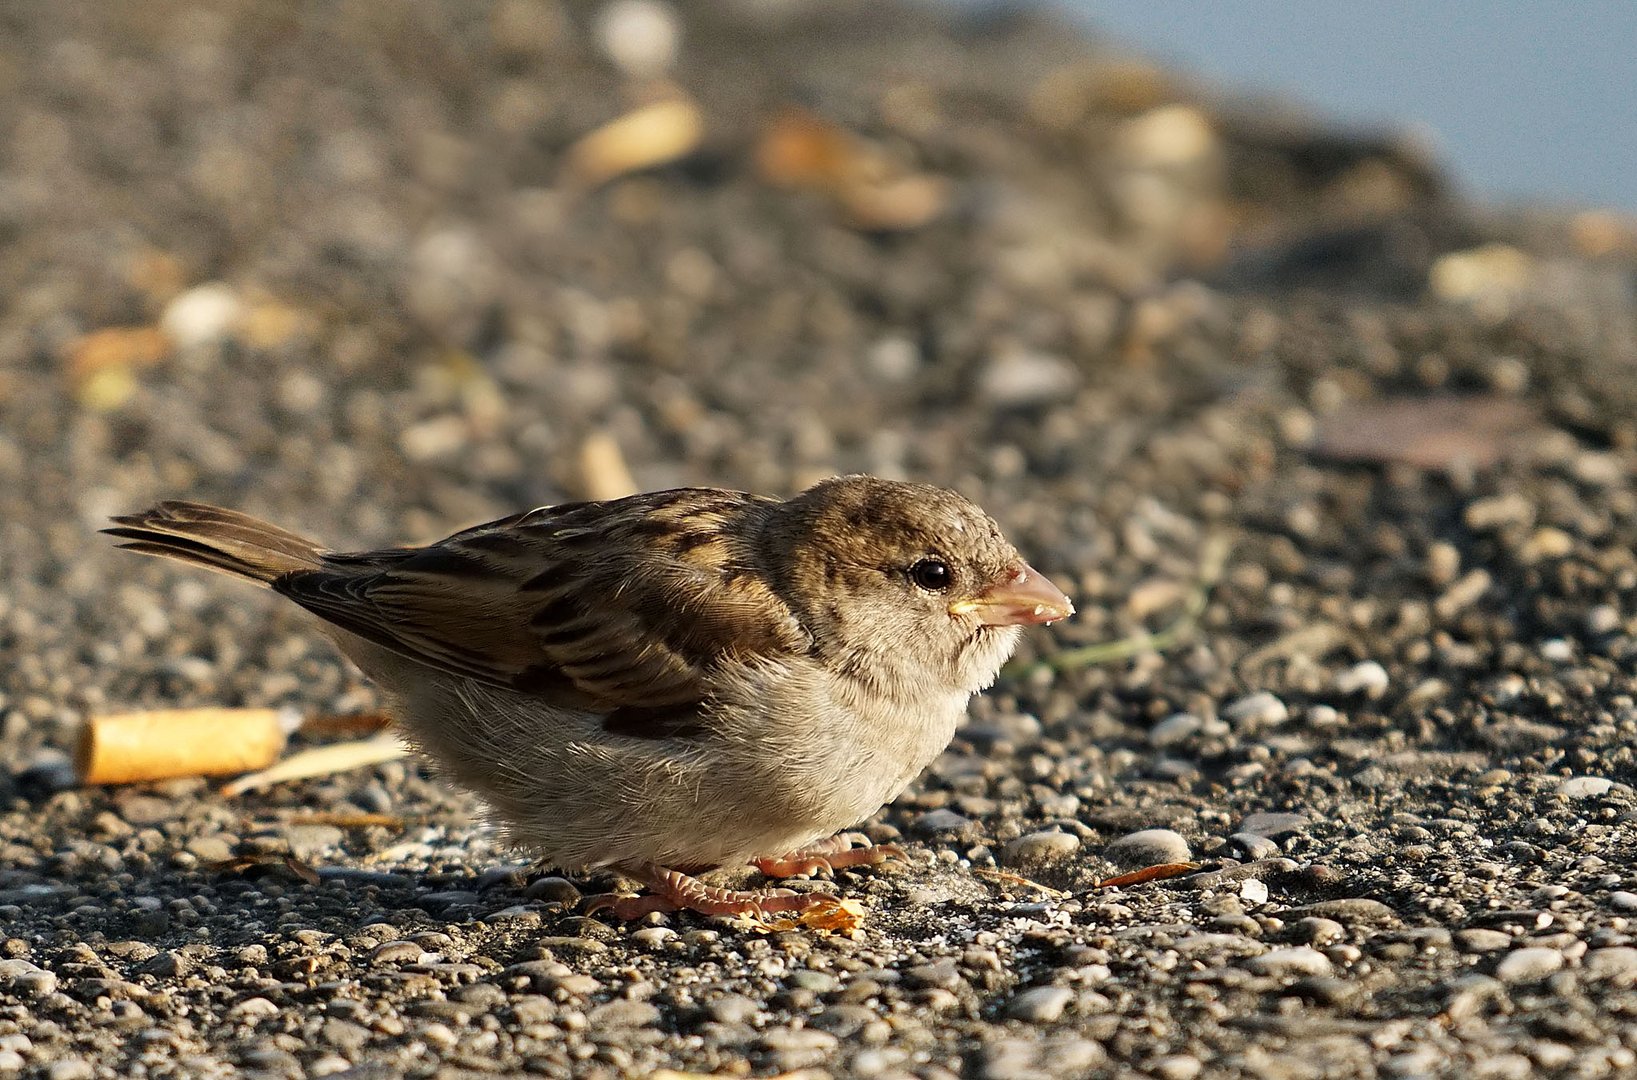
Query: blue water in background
(1524, 101)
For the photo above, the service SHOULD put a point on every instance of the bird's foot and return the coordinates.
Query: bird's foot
(669, 890)
(837, 853)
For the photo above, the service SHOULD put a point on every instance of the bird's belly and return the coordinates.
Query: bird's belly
(753, 785)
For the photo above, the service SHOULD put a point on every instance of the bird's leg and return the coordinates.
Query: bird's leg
(840, 851)
(669, 890)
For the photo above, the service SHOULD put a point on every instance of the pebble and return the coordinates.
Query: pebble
(1317, 931)
(1256, 712)
(309, 841)
(1147, 847)
(1479, 940)
(1039, 847)
(1623, 900)
(70, 1068)
(1253, 891)
(26, 980)
(944, 822)
(1616, 964)
(639, 36)
(1584, 787)
(1252, 846)
(1529, 965)
(1015, 378)
(1174, 730)
(1274, 826)
(653, 937)
(1177, 1067)
(1468, 995)
(1041, 1005)
(624, 1014)
(1368, 678)
(203, 315)
(1297, 960)
(553, 890)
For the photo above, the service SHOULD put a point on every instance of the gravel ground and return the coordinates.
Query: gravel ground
(341, 266)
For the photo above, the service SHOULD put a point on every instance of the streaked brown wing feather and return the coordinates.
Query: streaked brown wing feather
(623, 606)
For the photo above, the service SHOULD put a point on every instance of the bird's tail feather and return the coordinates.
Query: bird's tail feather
(223, 540)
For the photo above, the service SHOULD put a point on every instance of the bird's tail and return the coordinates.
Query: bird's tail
(223, 540)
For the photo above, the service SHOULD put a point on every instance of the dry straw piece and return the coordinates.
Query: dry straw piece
(160, 744)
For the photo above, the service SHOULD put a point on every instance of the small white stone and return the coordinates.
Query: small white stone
(1529, 965)
(1259, 710)
(639, 36)
(1368, 678)
(1173, 730)
(1253, 891)
(203, 315)
(1585, 787)
(1557, 650)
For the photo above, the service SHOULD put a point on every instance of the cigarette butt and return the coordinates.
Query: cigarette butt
(603, 472)
(126, 748)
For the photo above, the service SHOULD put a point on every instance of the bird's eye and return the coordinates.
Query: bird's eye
(931, 574)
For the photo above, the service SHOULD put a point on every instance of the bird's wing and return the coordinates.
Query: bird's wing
(619, 607)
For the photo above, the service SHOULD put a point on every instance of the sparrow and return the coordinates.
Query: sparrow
(674, 682)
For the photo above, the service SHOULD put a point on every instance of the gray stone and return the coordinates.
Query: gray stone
(1253, 846)
(943, 822)
(1256, 711)
(1616, 964)
(1273, 826)
(1148, 847)
(1585, 787)
(1529, 965)
(25, 980)
(1174, 730)
(1297, 960)
(1040, 1005)
(1481, 940)
(1039, 847)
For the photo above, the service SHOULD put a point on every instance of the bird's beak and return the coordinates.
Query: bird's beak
(1024, 599)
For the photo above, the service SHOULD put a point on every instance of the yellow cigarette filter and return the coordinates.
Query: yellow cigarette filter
(161, 744)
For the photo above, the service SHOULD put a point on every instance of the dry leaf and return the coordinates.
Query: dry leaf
(322, 761)
(356, 820)
(1149, 873)
(102, 364)
(802, 150)
(244, 863)
(1014, 879)
(1435, 433)
(644, 138)
(841, 917)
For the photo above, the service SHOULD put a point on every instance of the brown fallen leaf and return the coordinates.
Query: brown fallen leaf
(842, 917)
(1160, 872)
(345, 724)
(802, 150)
(1014, 879)
(244, 864)
(357, 820)
(102, 365)
(1433, 433)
